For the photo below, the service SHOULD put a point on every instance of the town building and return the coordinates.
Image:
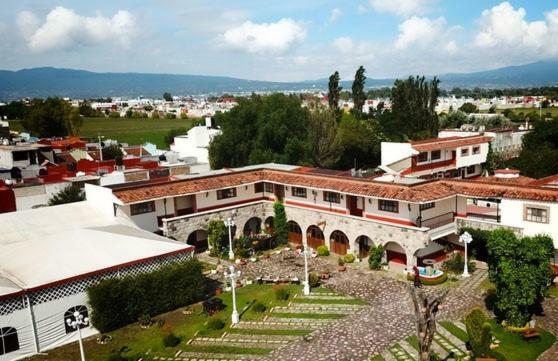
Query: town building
(413, 220)
(444, 157)
(194, 146)
(50, 256)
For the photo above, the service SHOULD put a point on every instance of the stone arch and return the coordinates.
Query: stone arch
(295, 232)
(198, 239)
(364, 243)
(339, 243)
(252, 226)
(395, 253)
(315, 237)
(268, 224)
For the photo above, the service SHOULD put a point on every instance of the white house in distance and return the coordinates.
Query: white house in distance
(447, 157)
(195, 143)
(48, 258)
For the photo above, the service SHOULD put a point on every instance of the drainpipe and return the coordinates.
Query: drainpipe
(27, 300)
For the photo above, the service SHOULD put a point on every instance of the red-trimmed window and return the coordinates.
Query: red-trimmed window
(436, 154)
(388, 206)
(226, 193)
(332, 197)
(298, 192)
(422, 157)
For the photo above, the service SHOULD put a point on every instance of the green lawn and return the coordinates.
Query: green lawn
(456, 331)
(132, 131)
(329, 302)
(514, 348)
(183, 324)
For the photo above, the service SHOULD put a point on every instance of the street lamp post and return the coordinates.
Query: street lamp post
(465, 238)
(306, 282)
(233, 275)
(76, 324)
(230, 223)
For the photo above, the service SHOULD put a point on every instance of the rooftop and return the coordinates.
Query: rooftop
(448, 143)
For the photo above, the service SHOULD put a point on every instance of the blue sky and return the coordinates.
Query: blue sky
(278, 40)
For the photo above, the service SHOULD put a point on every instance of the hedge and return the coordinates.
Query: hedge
(119, 302)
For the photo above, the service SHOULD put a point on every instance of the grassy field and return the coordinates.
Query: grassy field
(552, 110)
(131, 131)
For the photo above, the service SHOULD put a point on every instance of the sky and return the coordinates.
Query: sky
(286, 40)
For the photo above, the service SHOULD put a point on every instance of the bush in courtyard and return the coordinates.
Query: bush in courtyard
(322, 251)
(212, 306)
(259, 307)
(375, 257)
(215, 324)
(340, 261)
(313, 280)
(280, 223)
(145, 320)
(281, 294)
(217, 237)
(118, 302)
(171, 340)
(349, 258)
(479, 331)
(456, 263)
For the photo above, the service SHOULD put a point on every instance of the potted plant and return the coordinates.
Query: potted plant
(145, 321)
(325, 274)
(341, 265)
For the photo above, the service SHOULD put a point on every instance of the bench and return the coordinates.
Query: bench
(531, 335)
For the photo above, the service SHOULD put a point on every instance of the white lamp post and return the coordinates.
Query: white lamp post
(76, 324)
(233, 275)
(465, 238)
(306, 282)
(230, 223)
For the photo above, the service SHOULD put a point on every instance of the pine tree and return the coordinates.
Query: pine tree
(280, 223)
(334, 91)
(67, 195)
(359, 97)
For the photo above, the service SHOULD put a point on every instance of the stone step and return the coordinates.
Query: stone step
(291, 310)
(218, 341)
(439, 350)
(303, 320)
(265, 325)
(248, 337)
(323, 306)
(400, 354)
(451, 337)
(461, 325)
(387, 356)
(202, 356)
(320, 297)
(448, 346)
(409, 349)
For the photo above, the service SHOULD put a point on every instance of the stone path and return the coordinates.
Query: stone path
(550, 322)
(475, 280)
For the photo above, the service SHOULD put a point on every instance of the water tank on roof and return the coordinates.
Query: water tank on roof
(172, 157)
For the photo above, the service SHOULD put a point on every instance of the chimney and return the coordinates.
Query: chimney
(208, 122)
(506, 173)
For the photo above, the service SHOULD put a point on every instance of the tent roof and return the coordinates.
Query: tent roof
(44, 246)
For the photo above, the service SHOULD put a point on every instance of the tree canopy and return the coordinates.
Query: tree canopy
(521, 271)
(69, 194)
(413, 106)
(539, 155)
(358, 94)
(334, 91)
(261, 129)
(52, 117)
(167, 96)
(469, 108)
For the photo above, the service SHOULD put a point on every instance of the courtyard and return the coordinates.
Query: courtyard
(356, 314)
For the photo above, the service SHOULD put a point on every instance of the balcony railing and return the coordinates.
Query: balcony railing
(485, 217)
(437, 221)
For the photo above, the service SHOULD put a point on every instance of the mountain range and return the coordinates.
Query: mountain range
(48, 81)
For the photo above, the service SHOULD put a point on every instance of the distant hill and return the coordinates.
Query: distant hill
(43, 82)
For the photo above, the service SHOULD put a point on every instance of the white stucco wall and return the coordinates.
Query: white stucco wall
(392, 152)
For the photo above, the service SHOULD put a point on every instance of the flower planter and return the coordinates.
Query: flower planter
(341, 268)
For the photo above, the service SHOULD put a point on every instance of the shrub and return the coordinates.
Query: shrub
(171, 340)
(340, 261)
(144, 320)
(281, 294)
(280, 223)
(322, 251)
(259, 307)
(215, 324)
(313, 280)
(118, 302)
(375, 257)
(456, 263)
(217, 237)
(212, 306)
(349, 258)
(479, 331)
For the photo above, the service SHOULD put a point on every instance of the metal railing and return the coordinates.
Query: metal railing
(437, 221)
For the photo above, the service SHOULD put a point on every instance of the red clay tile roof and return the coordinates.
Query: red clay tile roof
(521, 180)
(135, 151)
(506, 171)
(546, 180)
(421, 192)
(449, 142)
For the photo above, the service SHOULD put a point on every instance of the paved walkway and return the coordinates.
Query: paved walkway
(550, 322)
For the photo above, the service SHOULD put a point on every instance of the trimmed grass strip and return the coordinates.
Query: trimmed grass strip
(227, 349)
(246, 331)
(321, 316)
(456, 331)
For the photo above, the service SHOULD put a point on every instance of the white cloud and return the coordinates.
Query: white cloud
(419, 31)
(504, 26)
(334, 15)
(65, 29)
(274, 38)
(403, 7)
(358, 51)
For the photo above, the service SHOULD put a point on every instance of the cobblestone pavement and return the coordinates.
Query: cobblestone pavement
(550, 322)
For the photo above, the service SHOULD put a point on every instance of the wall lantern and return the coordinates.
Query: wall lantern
(206, 194)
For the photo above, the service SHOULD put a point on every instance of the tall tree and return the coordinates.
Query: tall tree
(413, 109)
(46, 118)
(539, 155)
(322, 131)
(69, 194)
(72, 119)
(167, 96)
(521, 271)
(359, 96)
(334, 91)
(280, 223)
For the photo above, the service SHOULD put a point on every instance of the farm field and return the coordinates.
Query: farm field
(127, 130)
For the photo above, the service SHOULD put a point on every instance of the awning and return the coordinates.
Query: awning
(433, 247)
